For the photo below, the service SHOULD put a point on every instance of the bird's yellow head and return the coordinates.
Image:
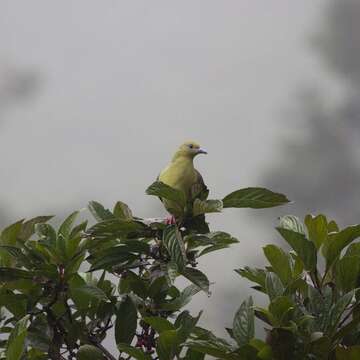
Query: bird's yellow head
(189, 149)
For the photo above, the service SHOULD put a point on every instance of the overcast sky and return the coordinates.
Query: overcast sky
(123, 83)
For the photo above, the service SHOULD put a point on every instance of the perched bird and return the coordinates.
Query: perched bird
(180, 174)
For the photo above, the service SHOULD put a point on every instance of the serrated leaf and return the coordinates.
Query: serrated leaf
(317, 229)
(206, 206)
(126, 321)
(280, 262)
(197, 277)
(174, 244)
(255, 198)
(16, 342)
(303, 247)
(243, 325)
(253, 274)
(273, 285)
(99, 212)
(293, 223)
(122, 211)
(164, 191)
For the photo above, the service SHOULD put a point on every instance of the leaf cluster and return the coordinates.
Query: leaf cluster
(62, 289)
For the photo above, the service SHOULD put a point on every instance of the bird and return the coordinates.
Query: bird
(181, 175)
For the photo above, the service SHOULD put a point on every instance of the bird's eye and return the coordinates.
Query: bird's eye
(191, 146)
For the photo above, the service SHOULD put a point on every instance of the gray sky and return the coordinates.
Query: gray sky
(122, 83)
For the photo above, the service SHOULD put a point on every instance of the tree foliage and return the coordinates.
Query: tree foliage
(63, 289)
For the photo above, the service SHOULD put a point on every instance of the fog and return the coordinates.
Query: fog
(95, 96)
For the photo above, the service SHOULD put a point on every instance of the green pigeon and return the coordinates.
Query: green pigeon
(181, 174)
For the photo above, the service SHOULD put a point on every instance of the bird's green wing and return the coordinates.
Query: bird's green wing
(199, 190)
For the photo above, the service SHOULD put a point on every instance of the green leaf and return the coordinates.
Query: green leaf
(39, 334)
(280, 307)
(303, 247)
(16, 342)
(81, 299)
(110, 257)
(9, 234)
(87, 352)
(293, 223)
(133, 282)
(18, 256)
(15, 303)
(9, 237)
(348, 353)
(99, 212)
(273, 285)
(92, 292)
(213, 348)
(185, 324)
(134, 352)
(167, 344)
(181, 300)
(12, 274)
(206, 206)
(337, 241)
(243, 325)
(164, 191)
(117, 229)
(159, 324)
(280, 262)
(174, 244)
(172, 271)
(317, 229)
(65, 227)
(126, 321)
(194, 355)
(211, 249)
(337, 311)
(122, 211)
(197, 277)
(253, 274)
(28, 227)
(255, 198)
(47, 234)
(347, 271)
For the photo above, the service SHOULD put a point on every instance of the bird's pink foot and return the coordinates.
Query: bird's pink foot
(170, 220)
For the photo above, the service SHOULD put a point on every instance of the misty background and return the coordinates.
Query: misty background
(95, 96)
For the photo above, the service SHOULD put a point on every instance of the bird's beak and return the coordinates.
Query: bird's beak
(202, 151)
